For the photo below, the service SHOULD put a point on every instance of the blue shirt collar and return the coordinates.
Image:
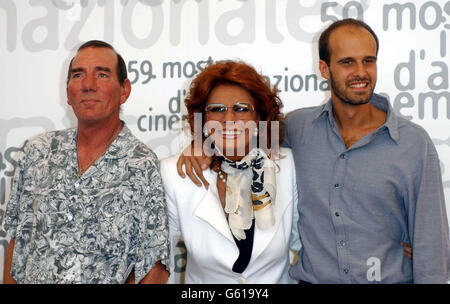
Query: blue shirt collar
(377, 101)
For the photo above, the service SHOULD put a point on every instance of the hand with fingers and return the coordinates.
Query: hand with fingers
(407, 250)
(194, 163)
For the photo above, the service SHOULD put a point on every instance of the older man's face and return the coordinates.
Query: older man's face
(93, 90)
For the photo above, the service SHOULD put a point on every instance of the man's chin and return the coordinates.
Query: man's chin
(356, 102)
(87, 119)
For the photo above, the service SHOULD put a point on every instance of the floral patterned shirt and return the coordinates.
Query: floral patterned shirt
(92, 229)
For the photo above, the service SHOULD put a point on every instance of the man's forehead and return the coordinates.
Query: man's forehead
(95, 56)
(357, 32)
(350, 39)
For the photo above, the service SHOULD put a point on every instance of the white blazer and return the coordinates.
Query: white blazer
(197, 215)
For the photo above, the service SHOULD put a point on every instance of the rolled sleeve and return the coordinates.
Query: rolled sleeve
(430, 231)
(153, 239)
(11, 217)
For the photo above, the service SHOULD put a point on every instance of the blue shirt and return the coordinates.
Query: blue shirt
(357, 205)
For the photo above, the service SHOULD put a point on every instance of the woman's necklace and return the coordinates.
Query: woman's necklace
(220, 173)
(82, 170)
(224, 180)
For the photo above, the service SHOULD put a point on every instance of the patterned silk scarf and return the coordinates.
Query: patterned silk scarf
(251, 189)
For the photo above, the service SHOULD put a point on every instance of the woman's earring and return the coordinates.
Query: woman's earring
(205, 132)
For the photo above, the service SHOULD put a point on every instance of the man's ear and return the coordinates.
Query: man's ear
(68, 99)
(324, 69)
(126, 91)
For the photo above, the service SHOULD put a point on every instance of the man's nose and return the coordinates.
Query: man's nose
(360, 70)
(89, 83)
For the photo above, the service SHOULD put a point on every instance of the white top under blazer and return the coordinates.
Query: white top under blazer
(198, 216)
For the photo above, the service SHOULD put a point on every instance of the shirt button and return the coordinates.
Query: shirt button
(61, 250)
(70, 216)
(77, 185)
(343, 243)
(346, 270)
(342, 156)
(336, 186)
(337, 214)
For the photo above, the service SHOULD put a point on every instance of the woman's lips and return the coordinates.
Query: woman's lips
(230, 133)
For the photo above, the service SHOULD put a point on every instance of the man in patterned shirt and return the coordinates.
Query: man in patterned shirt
(87, 203)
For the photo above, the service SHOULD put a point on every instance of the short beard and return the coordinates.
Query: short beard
(345, 99)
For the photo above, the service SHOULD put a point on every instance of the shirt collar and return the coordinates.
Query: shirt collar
(119, 147)
(326, 108)
(391, 123)
(377, 101)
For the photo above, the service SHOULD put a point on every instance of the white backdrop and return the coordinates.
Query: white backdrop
(165, 43)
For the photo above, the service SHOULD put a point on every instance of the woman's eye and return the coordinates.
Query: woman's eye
(218, 109)
(241, 109)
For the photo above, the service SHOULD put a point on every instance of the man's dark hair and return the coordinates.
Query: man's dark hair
(121, 66)
(324, 49)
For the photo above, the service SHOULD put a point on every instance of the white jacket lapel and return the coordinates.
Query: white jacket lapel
(263, 237)
(211, 211)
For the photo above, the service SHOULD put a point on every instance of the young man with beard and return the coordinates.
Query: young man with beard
(368, 181)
